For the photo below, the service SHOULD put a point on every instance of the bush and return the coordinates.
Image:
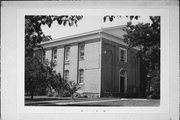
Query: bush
(81, 95)
(132, 92)
(107, 94)
(66, 94)
(50, 94)
(72, 88)
(155, 86)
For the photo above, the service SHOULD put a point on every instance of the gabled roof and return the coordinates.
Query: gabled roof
(116, 31)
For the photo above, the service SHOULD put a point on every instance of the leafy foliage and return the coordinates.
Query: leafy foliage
(46, 38)
(111, 17)
(38, 74)
(145, 36)
(33, 32)
(58, 84)
(72, 88)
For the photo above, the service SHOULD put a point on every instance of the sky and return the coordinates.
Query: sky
(88, 23)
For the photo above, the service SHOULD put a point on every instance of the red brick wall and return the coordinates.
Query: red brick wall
(132, 67)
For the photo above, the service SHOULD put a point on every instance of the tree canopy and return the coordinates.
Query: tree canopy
(145, 36)
(33, 32)
(38, 74)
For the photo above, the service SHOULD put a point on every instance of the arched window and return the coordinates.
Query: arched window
(122, 73)
(66, 75)
(81, 76)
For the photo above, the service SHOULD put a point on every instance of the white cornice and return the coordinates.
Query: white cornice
(114, 27)
(72, 37)
(87, 36)
(71, 40)
(113, 38)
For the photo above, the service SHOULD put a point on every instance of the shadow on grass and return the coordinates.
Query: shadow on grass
(46, 99)
(53, 104)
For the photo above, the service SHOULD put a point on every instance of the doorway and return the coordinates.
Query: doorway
(122, 81)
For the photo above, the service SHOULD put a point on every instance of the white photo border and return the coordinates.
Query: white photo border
(12, 45)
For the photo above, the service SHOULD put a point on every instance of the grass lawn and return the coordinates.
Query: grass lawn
(67, 101)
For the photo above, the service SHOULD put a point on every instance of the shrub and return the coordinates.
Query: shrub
(66, 94)
(131, 92)
(155, 84)
(72, 88)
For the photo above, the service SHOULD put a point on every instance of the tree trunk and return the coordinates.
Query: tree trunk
(72, 97)
(32, 95)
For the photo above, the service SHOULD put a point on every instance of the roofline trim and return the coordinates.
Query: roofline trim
(84, 34)
(72, 36)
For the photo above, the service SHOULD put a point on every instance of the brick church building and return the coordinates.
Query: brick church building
(99, 61)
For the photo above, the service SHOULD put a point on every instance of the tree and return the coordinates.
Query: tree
(58, 84)
(145, 36)
(33, 32)
(112, 17)
(38, 74)
(72, 88)
(46, 38)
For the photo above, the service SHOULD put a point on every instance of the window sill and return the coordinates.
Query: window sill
(81, 83)
(81, 59)
(67, 60)
(67, 63)
(123, 61)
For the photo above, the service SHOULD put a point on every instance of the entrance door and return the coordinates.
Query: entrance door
(122, 81)
(122, 84)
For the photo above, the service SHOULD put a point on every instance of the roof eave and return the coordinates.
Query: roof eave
(72, 37)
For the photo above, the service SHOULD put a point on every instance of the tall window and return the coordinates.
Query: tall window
(54, 54)
(81, 51)
(122, 55)
(67, 53)
(66, 75)
(81, 76)
(43, 55)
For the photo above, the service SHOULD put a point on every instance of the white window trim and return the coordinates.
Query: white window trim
(66, 76)
(79, 76)
(54, 60)
(67, 60)
(81, 57)
(120, 48)
(43, 55)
